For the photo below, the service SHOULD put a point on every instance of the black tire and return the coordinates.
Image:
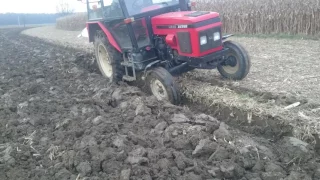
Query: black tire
(115, 57)
(162, 75)
(238, 63)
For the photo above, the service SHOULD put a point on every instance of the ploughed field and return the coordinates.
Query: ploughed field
(60, 119)
(284, 72)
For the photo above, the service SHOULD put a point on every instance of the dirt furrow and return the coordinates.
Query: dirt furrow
(60, 119)
(270, 87)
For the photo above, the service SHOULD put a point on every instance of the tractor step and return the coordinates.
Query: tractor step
(127, 64)
(128, 78)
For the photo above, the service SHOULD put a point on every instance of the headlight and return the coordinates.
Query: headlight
(203, 40)
(216, 36)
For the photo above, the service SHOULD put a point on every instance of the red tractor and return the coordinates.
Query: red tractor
(154, 40)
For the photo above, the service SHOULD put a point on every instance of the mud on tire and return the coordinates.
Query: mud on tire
(114, 57)
(238, 63)
(163, 77)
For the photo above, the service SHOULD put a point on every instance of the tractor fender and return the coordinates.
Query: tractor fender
(226, 36)
(92, 27)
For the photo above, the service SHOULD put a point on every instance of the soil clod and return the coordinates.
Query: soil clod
(60, 119)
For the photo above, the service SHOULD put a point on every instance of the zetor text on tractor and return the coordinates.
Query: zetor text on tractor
(158, 39)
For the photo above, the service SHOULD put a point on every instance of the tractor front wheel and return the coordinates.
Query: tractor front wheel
(237, 63)
(108, 58)
(162, 85)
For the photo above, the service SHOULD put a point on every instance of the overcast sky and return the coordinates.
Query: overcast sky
(37, 6)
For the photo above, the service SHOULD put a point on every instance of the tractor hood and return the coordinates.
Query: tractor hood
(186, 18)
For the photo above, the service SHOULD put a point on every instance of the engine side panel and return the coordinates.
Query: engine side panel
(183, 17)
(184, 42)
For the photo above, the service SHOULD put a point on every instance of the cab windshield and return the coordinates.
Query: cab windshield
(111, 9)
(140, 6)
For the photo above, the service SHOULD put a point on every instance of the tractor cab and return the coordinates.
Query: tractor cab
(158, 39)
(125, 18)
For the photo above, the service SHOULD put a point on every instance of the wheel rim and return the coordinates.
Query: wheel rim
(104, 60)
(231, 65)
(158, 90)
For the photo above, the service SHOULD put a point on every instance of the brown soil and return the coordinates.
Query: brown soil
(279, 66)
(61, 120)
(284, 71)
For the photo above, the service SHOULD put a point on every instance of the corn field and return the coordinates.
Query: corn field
(266, 16)
(295, 17)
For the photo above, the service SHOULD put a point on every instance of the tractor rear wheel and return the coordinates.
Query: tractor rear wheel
(237, 63)
(162, 85)
(108, 58)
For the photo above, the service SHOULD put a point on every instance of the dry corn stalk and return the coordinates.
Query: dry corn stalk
(266, 16)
